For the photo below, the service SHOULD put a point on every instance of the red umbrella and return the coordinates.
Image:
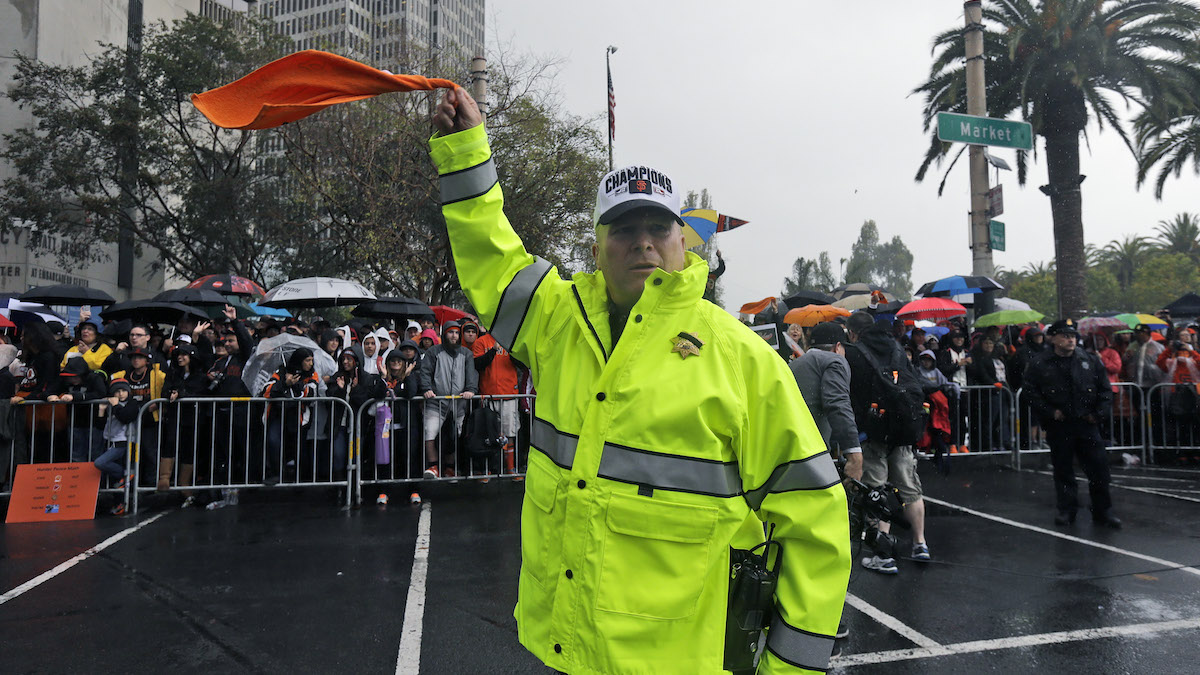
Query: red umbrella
(228, 284)
(443, 314)
(931, 308)
(5, 323)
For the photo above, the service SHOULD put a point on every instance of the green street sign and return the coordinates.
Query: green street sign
(976, 130)
(996, 235)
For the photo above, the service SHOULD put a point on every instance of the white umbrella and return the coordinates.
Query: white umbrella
(274, 352)
(28, 310)
(316, 292)
(1011, 303)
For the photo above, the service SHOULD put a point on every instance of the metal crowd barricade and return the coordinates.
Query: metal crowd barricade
(49, 432)
(1172, 418)
(991, 419)
(193, 444)
(392, 452)
(1124, 428)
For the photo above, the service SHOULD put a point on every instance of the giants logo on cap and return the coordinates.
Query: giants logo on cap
(639, 180)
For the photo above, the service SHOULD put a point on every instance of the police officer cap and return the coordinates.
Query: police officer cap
(1062, 327)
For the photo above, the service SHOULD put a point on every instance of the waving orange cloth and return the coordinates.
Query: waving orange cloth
(756, 307)
(299, 85)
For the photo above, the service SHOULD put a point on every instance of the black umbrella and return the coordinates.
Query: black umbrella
(402, 307)
(196, 297)
(860, 289)
(802, 298)
(67, 294)
(150, 311)
(1188, 305)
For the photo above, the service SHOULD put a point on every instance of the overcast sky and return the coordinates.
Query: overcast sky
(797, 117)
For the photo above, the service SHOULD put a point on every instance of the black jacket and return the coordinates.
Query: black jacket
(1077, 385)
(878, 339)
(982, 371)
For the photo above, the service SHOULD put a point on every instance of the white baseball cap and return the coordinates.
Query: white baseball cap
(631, 188)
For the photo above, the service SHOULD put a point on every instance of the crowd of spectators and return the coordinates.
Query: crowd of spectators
(228, 402)
(973, 377)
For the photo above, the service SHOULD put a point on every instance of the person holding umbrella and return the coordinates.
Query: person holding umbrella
(88, 345)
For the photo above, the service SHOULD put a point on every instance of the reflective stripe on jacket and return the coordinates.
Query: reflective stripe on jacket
(647, 466)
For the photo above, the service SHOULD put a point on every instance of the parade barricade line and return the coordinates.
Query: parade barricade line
(990, 418)
(1172, 417)
(48, 432)
(395, 452)
(1123, 429)
(229, 444)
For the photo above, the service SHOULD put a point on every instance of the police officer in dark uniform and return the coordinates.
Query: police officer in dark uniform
(1069, 391)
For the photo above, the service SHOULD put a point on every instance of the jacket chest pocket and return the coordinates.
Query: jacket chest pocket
(538, 532)
(655, 557)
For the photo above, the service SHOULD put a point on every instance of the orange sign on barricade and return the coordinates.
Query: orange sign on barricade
(51, 492)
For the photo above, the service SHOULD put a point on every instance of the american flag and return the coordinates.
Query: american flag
(612, 107)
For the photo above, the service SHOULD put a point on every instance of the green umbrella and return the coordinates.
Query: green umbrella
(1009, 317)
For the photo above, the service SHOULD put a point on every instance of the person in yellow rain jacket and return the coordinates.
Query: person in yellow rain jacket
(663, 426)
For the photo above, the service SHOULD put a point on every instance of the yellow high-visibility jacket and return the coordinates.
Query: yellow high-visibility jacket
(647, 465)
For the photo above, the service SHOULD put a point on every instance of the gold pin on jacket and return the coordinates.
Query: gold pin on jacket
(687, 344)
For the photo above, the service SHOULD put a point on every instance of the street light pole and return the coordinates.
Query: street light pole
(612, 104)
(981, 247)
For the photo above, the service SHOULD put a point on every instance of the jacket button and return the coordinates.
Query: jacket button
(570, 574)
(582, 484)
(658, 282)
(637, 319)
(600, 396)
(557, 648)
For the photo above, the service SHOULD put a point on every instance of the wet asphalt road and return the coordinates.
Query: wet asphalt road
(289, 582)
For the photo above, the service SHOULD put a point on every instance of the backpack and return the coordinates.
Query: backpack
(897, 415)
(481, 436)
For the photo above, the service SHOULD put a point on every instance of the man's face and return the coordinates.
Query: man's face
(1143, 336)
(1064, 343)
(138, 363)
(453, 336)
(408, 353)
(426, 324)
(413, 333)
(368, 346)
(469, 334)
(139, 337)
(230, 342)
(630, 249)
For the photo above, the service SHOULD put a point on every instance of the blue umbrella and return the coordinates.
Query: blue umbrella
(269, 311)
(953, 286)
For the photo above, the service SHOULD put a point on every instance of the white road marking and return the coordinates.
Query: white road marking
(1068, 537)
(889, 621)
(1014, 642)
(1161, 492)
(408, 659)
(63, 567)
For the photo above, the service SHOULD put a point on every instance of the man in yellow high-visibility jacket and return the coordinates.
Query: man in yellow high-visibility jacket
(662, 425)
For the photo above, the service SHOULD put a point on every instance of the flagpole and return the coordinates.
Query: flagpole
(612, 104)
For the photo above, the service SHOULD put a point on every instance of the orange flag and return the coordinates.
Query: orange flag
(299, 85)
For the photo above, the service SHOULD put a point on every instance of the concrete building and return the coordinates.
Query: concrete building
(378, 31)
(67, 33)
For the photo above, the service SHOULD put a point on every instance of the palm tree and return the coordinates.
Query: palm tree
(1180, 235)
(1035, 269)
(1125, 256)
(1170, 139)
(1054, 63)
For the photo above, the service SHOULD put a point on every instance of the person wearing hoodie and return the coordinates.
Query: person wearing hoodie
(402, 391)
(448, 369)
(295, 380)
(413, 332)
(120, 413)
(81, 387)
(375, 347)
(231, 419)
(353, 384)
(427, 340)
(497, 378)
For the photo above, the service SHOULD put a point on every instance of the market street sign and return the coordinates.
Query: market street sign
(956, 128)
(996, 235)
